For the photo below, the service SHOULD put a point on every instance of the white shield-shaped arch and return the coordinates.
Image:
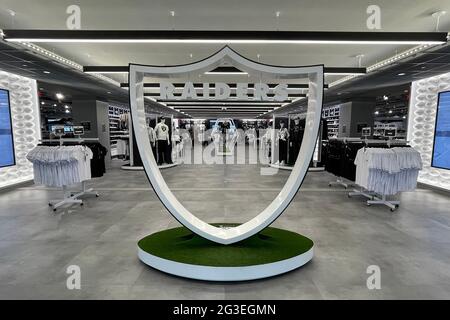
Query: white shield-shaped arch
(314, 74)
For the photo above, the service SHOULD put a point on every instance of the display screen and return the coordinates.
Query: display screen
(6, 136)
(441, 148)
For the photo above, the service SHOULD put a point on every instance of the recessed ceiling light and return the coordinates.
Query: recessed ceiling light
(404, 117)
(377, 112)
(385, 98)
(109, 92)
(59, 96)
(54, 104)
(67, 111)
(42, 102)
(390, 111)
(66, 106)
(47, 72)
(401, 74)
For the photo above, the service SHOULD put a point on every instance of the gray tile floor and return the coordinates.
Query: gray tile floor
(411, 246)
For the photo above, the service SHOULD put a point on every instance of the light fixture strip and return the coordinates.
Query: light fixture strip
(217, 36)
(151, 85)
(124, 70)
(226, 73)
(249, 41)
(218, 103)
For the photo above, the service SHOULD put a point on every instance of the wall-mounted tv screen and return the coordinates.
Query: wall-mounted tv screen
(441, 147)
(7, 157)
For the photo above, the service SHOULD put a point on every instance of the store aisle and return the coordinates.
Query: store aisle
(36, 245)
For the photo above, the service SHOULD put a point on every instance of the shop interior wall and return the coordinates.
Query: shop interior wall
(26, 127)
(421, 125)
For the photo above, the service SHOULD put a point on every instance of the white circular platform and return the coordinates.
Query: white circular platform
(165, 166)
(130, 168)
(277, 166)
(316, 169)
(209, 273)
(289, 168)
(137, 168)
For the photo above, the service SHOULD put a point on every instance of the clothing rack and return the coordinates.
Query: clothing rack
(71, 197)
(339, 180)
(373, 197)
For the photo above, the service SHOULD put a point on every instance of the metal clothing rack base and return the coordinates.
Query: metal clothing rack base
(339, 182)
(362, 192)
(392, 204)
(72, 198)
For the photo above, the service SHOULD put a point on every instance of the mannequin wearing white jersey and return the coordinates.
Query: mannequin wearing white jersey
(163, 142)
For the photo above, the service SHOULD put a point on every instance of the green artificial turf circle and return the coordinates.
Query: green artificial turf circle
(184, 246)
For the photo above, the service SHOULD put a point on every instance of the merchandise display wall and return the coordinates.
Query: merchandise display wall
(25, 124)
(421, 126)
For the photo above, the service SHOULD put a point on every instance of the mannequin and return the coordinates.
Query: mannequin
(295, 139)
(190, 129)
(163, 142)
(216, 136)
(267, 138)
(283, 135)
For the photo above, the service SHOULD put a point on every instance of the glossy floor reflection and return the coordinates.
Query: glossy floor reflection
(411, 246)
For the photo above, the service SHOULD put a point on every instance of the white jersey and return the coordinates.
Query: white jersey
(283, 134)
(162, 131)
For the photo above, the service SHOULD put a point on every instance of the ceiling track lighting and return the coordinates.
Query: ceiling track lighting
(226, 70)
(250, 37)
(387, 62)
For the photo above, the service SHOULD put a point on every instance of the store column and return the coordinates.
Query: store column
(93, 116)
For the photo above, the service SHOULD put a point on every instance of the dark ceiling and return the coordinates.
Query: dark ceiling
(431, 63)
(25, 63)
(72, 83)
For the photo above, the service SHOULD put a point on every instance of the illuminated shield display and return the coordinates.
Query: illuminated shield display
(314, 75)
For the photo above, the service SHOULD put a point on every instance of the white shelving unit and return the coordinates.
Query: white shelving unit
(332, 115)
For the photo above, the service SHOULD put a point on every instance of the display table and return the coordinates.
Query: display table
(182, 253)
